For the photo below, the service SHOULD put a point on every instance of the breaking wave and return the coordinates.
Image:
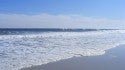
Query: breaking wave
(25, 50)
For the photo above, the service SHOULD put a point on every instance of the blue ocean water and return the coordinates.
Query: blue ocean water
(21, 48)
(12, 31)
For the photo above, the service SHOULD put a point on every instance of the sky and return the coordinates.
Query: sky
(109, 14)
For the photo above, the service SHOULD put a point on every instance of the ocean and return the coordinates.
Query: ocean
(20, 48)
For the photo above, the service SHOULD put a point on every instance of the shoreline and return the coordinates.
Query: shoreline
(113, 59)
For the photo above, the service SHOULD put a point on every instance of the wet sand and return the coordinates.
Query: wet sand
(113, 59)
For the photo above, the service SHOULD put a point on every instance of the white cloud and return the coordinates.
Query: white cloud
(57, 21)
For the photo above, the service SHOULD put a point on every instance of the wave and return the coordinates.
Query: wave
(18, 31)
(25, 50)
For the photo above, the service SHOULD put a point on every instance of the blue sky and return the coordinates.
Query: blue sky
(110, 10)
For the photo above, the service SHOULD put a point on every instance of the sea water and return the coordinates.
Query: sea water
(21, 48)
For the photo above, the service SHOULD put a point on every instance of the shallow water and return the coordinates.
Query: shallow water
(113, 59)
(29, 49)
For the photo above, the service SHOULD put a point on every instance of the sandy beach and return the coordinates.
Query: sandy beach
(113, 59)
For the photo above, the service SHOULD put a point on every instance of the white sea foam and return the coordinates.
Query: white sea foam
(19, 51)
